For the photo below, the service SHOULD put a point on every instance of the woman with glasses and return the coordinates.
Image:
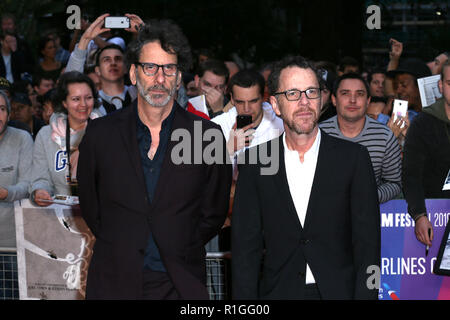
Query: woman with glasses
(55, 153)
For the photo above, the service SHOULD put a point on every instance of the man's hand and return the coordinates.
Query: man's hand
(396, 125)
(40, 197)
(135, 23)
(3, 193)
(404, 130)
(240, 138)
(397, 49)
(214, 98)
(421, 230)
(93, 31)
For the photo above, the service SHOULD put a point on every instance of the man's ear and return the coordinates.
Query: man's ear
(179, 80)
(232, 99)
(275, 107)
(440, 85)
(333, 99)
(97, 70)
(133, 74)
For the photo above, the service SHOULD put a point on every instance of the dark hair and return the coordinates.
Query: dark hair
(62, 89)
(38, 77)
(219, 68)
(266, 66)
(446, 64)
(247, 78)
(347, 61)
(109, 46)
(376, 99)
(370, 75)
(3, 34)
(326, 65)
(89, 69)
(350, 75)
(169, 35)
(289, 61)
(43, 42)
(8, 15)
(46, 97)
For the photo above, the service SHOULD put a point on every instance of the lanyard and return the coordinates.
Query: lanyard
(69, 175)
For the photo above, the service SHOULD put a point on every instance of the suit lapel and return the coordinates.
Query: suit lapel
(324, 163)
(127, 128)
(283, 188)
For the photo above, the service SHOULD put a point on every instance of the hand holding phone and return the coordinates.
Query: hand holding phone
(399, 118)
(243, 120)
(400, 109)
(117, 22)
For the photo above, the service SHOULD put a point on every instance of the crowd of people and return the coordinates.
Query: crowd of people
(100, 116)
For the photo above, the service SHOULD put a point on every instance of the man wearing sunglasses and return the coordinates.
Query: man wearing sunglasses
(312, 229)
(152, 215)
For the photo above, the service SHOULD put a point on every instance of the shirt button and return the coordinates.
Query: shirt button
(304, 241)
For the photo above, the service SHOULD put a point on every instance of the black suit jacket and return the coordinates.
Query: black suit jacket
(189, 207)
(340, 237)
(19, 65)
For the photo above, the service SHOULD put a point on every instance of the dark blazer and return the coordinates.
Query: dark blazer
(189, 207)
(340, 237)
(19, 65)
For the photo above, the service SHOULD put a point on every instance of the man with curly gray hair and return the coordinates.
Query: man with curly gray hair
(151, 215)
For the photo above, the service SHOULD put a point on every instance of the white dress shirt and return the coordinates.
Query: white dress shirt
(300, 178)
(270, 127)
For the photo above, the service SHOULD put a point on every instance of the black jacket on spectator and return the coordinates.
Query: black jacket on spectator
(426, 158)
(19, 65)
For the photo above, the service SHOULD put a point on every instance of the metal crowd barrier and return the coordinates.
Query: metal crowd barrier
(218, 277)
(9, 284)
(217, 272)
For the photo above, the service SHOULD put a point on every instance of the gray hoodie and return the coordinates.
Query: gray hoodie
(16, 148)
(50, 163)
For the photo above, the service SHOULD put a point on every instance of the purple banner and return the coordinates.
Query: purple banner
(406, 272)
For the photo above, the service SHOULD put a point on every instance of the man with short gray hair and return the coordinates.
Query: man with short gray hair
(312, 229)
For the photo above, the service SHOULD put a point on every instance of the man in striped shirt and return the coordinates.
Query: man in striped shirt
(351, 98)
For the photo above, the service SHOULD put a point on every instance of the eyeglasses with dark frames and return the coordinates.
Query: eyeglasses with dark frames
(295, 94)
(150, 69)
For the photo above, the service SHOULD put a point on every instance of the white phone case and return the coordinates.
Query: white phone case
(400, 109)
(117, 22)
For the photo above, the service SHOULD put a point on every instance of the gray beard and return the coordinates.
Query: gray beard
(147, 97)
(298, 130)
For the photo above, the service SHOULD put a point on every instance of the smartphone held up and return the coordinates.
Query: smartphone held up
(400, 109)
(243, 120)
(117, 22)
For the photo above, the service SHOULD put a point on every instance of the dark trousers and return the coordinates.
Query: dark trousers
(158, 286)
